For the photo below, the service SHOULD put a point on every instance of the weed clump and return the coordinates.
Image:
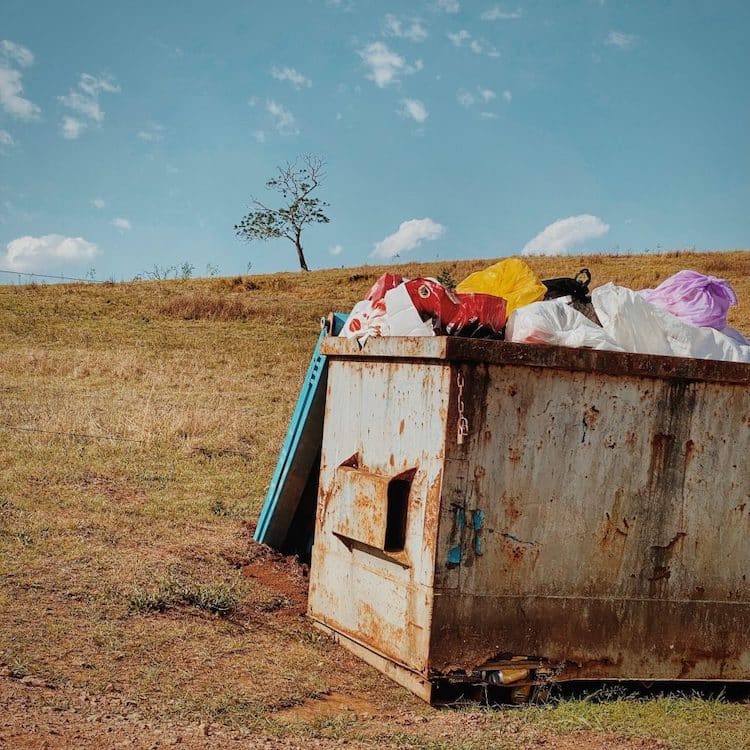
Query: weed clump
(218, 599)
(445, 277)
(221, 510)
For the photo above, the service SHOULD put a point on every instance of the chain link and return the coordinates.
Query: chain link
(462, 427)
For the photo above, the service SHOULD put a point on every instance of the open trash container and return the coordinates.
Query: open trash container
(506, 514)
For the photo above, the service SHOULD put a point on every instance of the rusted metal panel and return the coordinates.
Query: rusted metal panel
(615, 518)
(594, 519)
(385, 423)
(361, 506)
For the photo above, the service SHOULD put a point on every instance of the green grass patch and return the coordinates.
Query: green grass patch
(219, 599)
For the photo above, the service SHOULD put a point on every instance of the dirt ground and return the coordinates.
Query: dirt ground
(37, 717)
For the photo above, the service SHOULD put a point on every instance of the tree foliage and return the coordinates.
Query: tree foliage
(295, 182)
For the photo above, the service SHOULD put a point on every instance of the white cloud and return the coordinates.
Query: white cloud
(465, 98)
(122, 224)
(507, 95)
(459, 37)
(84, 104)
(92, 85)
(85, 98)
(415, 109)
(293, 76)
(38, 253)
(347, 7)
(477, 46)
(152, 133)
(6, 139)
(11, 100)
(11, 86)
(497, 13)
(84, 101)
(16, 53)
(98, 203)
(71, 127)
(620, 39)
(336, 249)
(393, 26)
(448, 6)
(386, 66)
(409, 235)
(566, 234)
(284, 120)
(259, 136)
(468, 99)
(483, 47)
(488, 115)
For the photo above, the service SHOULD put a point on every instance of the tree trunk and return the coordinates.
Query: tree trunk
(300, 254)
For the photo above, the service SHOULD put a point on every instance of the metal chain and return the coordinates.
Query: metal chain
(462, 428)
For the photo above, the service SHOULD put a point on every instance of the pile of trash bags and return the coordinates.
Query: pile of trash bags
(685, 316)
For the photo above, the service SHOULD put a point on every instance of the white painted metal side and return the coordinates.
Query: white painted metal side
(383, 420)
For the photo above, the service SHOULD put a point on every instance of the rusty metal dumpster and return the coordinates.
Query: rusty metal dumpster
(505, 514)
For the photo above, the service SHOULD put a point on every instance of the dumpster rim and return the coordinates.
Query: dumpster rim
(427, 349)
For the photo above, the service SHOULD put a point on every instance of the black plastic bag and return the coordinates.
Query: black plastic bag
(577, 288)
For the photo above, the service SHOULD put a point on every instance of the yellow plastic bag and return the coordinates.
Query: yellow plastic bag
(510, 279)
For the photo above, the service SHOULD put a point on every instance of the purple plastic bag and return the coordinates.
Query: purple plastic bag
(694, 298)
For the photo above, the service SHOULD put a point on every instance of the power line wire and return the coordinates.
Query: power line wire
(49, 276)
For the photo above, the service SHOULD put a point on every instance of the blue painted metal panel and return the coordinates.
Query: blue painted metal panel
(300, 451)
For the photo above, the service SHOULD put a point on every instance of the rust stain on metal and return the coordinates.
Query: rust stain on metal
(679, 536)
(432, 512)
(591, 417)
(510, 503)
(660, 573)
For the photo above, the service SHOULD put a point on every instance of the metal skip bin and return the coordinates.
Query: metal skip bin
(588, 520)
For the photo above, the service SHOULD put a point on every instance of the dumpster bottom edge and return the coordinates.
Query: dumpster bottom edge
(406, 678)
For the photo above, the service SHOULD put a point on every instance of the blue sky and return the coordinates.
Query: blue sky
(135, 133)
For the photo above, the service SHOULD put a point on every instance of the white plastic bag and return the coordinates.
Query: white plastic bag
(639, 326)
(393, 315)
(555, 322)
(401, 317)
(364, 320)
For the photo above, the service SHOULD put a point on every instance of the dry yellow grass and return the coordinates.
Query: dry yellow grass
(194, 382)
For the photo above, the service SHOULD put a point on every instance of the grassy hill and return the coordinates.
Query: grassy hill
(139, 427)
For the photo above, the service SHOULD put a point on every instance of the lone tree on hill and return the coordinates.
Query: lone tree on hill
(296, 181)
